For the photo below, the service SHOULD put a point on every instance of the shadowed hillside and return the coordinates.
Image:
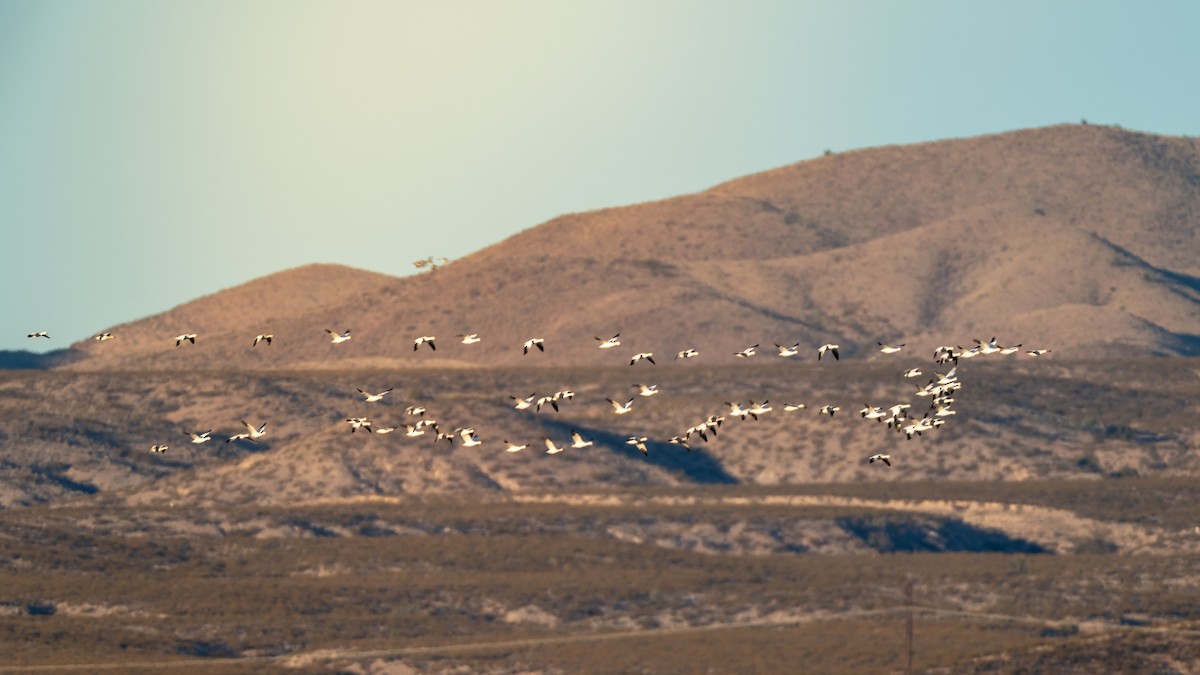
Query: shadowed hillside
(1076, 237)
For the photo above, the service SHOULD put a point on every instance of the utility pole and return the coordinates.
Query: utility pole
(908, 627)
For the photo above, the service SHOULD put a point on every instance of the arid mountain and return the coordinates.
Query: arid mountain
(1079, 238)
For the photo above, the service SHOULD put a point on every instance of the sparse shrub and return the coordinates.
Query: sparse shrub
(1090, 464)
(1124, 472)
(1094, 545)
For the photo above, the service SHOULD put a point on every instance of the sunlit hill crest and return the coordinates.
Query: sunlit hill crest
(1074, 236)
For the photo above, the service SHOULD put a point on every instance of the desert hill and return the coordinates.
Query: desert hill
(1074, 237)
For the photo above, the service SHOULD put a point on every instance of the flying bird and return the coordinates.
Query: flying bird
(252, 433)
(830, 410)
(611, 342)
(551, 448)
(190, 337)
(513, 447)
(158, 449)
(829, 347)
(687, 354)
(40, 333)
(266, 337)
(912, 372)
(638, 442)
(103, 336)
(357, 423)
(788, 351)
(523, 403)
(886, 459)
(746, 353)
(469, 338)
(199, 438)
(371, 398)
(621, 408)
(649, 356)
(890, 349)
(424, 340)
(578, 441)
(338, 338)
(535, 342)
(646, 389)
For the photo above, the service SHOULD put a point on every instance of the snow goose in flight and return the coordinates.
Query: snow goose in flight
(101, 337)
(649, 356)
(831, 348)
(687, 354)
(513, 447)
(578, 441)
(551, 448)
(565, 394)
(368, 397)
(252, 433)
(38, 334)
(424, 340)
(683, 441)
(638, 442)
(944, 411)
(621, 408)
(746, 353)
(757, 409)
(338, 338)
(886, 459)
(794, 406)
(265, 337)
(873, 412)
(158, 449)
(540, 343)
(737, 409)
(1005, 351)
(415, 410)
(1037, 352)
(912, 372)
(788, 351)
(890, 349)
(646, 389)
(989, 347)
(546, 400)
(357, 423)
(523, 403)
(830, 410)
(413, 431)
(199, 438)
(469, 439)
(611, 342)
(469, 338)
(384, 430)
(190, 337)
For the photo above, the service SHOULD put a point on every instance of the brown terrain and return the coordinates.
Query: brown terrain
(1049, 525)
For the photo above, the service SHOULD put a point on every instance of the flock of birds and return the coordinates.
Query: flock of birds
(900, 417)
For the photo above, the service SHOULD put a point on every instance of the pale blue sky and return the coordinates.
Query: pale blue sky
(152, 151)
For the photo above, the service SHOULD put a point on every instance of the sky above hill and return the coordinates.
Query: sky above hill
(152, 152)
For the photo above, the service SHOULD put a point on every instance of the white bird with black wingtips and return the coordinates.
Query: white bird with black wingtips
(202, 437)
(621, 408)
(831, 348)
(338, 338)
(186, 337)
(540, 343)
(886, 459)
(368, 397)
(611, 342)
(648, 356)
(424, 340)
